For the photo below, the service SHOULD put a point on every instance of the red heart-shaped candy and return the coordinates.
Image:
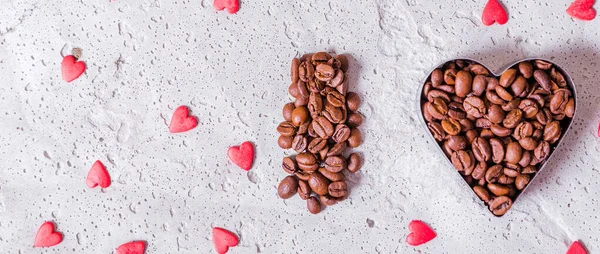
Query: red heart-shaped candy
(494, 12)
(135, 247)
(576, 248)
(182, 121)
(582, 9)
(232, 6)
(46, 236)
(98, 176)
(223, 239)
(71, 69)
(420, 233)
(242, 155)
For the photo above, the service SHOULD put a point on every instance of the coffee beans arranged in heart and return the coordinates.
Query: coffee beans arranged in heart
(497, 131)
(319, 125)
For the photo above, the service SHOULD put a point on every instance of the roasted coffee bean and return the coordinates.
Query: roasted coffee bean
(311, 132)
(337, 81)
(483, 123)
(318, 183)
(315, 104)
(323, 153)
(456, 114)
(302, 89)
(479, 171)
(294, 70)
(354, 120)
(450, 76)
(537, 134)
(463, 83)
(332, 176)
(341, 133)
(544, 116)
(497, 189)
(315, 86)
(352, 101)
(438, 108)
(528, 143)
(511, 172)
(500, 130)
(320, 58)
(481, 149)
(451, 126)
(540, 99)
(500, 205)
(542, 151)
(559, 101)
(336, 99)
(333, 114)
(288, 187)
(293, 90)
(479, 85)
(299, 143)
(492, 83)
(463, 161)
(482, 193)
(354, 162)
(289, 165)
(519, 86)
(471, 135)
(306, 71)
(486, 133)
(474, 106)
(570, 108)
(466, 124)
(558, 78)
(478, 69)
(300, 115)
(307, 162)
(335, 63)
(543, 79)
(437, 77)
(493, 173)
(322, 127)
(328, 200)
(495, 114)
(508, 77)
(493, 97)
(303, 128)
(529, 170)
(526, 159)
(338, 189)
(286, 129)
(355, 138)
(335, 163)
(287, 111)
(526, 69)
(456, 142)
(503, 94)
(303, 190)
(514, 152)
(302, 175)
(506, 180)
(317, 145)
(523, 130)
(513, 118)
(285, 142)
(521, 181)
(446, 88)
(541, 64)
(337, 149)
(511, 104)
(301, 101)
(313, 205)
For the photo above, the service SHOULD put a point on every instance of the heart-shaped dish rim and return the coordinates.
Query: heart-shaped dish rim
(553, 149)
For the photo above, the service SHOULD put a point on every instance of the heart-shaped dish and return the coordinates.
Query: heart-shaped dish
(498, 132)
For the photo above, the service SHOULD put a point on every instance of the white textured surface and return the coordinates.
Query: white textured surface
(146, 57)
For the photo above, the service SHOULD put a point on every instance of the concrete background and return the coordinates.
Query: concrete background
(146, 57)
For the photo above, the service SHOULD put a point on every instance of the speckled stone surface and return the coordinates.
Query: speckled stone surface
(146, 57)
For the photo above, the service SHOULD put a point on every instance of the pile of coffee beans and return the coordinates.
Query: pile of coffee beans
(497, 131)
(319, 125)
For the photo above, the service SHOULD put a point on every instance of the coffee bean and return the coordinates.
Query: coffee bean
(492, 83)
(437, 130)
(293, 89)
(478, 69)
(335, 63)
(286, 129)
(523, 130)
(287, 111)
(294, 70)
(341, 133)
(302, 90)
(317, 145)
(335, 163)
(514, 152)
(542, 151)
(498, 190)
(313, 205)
(500, 205)
(512, 119)
(355, 138)
(446, 88)
(482, 193)
(474, 106)
(437, 77)
(526, 69)
(479, 171)
(493, 97)
(354, 162)
(570, 108)
(336, 99)
(471, 135)
(526, 159)
(519, 86)
(307, 162)
(528, 143)
(320, 58)
(354, 120)
(511, 172)
(450, 76)
(322, 127)
(353, 101)
(300, 115)
(323, 153)
(289, 165)
(315, 104)
(456, 142)
(339, 82)
(466, 124)
(303, 128)
(303, 190)
(334, 114)
(463, 83)
(559, 101)
(503, 94)
(318, 183)
(463, 161)
(541, 64)
(337, 149)
(302, 176)
(479, 85)
(493, 173)
(328, 200)
(332, 176)
(481, 149)
(522, 181)
(338, 189)
(315, 86)
(544, 116)
(500, 130)
(495, 114)
(529, 170)
(486, 133)
(299, 143)
(324, 72)
(285, 142)
(483, 123)
(306, 71)
(543, 79)
(508, 77)
(511, 104)
(438, 108)
(451, 126)
(288, 187)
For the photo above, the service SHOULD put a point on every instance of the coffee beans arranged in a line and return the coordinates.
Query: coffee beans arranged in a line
(497, 132)
(319, 125)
